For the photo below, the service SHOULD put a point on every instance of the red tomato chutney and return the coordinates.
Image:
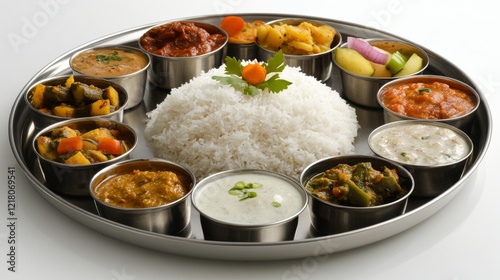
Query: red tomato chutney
(434, 100)
(180, 39)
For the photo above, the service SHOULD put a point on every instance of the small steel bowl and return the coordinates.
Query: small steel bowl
(463, 122)
(170, 72)
(363, 90)
(249, 220)
(172, 218)
(316, 65)
(243, 51)
(329, 218)
(134, 83)
(73, 179)
(42, 119)
(435, 171)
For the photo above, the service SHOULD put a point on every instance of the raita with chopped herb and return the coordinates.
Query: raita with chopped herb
(249, 198)
(420, 144)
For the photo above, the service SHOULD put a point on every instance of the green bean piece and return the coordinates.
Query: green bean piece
(357, 196)
(360, 172)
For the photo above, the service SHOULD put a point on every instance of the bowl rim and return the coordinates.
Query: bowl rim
(78, 120)
(295, 21)
(361, 158)
(111, 46)
(207, 180)
(426, 59)
(63, 78)
(192, 57)
(427, 123)
(434, 78)
(135, 161)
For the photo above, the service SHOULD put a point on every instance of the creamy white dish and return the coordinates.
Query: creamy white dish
(420, 144)
(264, 199)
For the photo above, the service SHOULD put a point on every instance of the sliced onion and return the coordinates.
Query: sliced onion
(367, 51)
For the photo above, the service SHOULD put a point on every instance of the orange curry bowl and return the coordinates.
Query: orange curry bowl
(429, 98)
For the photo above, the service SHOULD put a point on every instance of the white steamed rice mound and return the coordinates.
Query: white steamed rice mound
(210, 127)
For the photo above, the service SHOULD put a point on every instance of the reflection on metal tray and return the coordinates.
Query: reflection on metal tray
(306, 242)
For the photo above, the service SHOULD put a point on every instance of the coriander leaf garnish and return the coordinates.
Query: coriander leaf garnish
(276, 63)
(252, 78)
(233, 66)
(107, 58)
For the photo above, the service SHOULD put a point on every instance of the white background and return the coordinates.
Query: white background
(459, 242)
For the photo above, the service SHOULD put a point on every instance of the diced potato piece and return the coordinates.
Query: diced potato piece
(262, 32)
(323, 35)
(301, 46)
(100, 107)
(274, 39)
(64, 111)
(63, 132)
(70, 80)
(97, 134)
(295, 33)
(77, 158)
(37, 96)
(43, 144)
(113, 96)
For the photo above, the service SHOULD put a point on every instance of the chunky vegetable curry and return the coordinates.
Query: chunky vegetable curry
(71, 146)
(75, 99)
(357, 185)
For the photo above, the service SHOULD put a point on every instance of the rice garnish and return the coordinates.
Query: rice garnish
(210, 127)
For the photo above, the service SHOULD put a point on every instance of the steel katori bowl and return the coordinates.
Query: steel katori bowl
(331, 218)
(73, 179)
(43, 116)
(124, 65)
(172, 218)
(167, 71)
(317, 65)
(435, 153)
(463, 122)
(363, 90)
(249, 205)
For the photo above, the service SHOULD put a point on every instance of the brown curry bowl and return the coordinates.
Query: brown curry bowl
(172, 217)
(71, 177)
(43, 110)
(169, 71)
(331, 218)
(463, 122)
(121, 64)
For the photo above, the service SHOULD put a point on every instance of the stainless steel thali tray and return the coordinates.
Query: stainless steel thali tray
(305, 244)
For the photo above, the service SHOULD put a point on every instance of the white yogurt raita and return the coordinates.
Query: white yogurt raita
(274, 199)
(420, 144)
